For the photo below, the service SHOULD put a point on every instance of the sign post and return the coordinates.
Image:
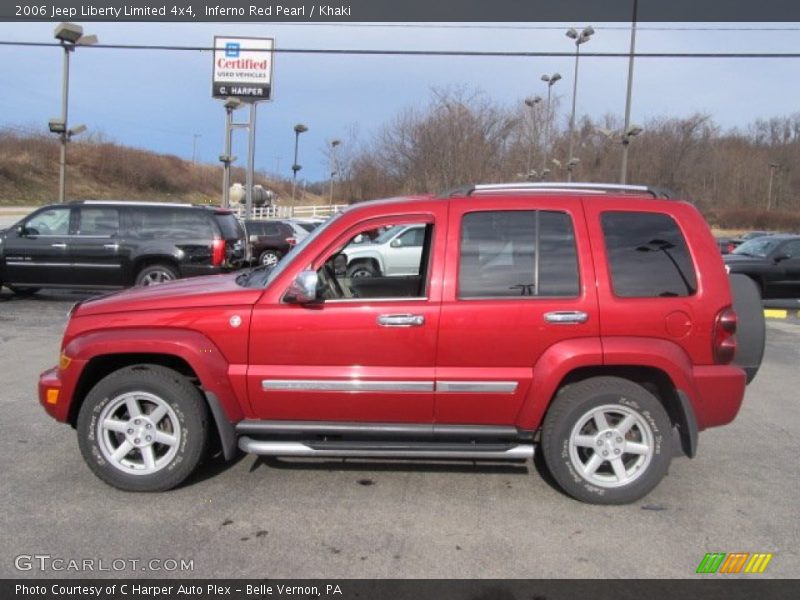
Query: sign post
(242, 69)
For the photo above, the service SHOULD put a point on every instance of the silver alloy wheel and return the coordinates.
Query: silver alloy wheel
(269, 259)
(611, 446)
(138, 433)
(157, 276)
(361, 272)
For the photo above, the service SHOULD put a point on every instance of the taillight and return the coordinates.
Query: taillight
(291, 241)
(731, 248)
(217, 252)
(725, 336)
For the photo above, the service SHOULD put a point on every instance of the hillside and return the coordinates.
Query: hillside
(104, 170)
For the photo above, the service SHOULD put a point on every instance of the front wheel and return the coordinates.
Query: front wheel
(606, 440)
(143, 428)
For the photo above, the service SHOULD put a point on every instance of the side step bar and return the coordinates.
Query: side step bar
(387, 450)
(394, 430)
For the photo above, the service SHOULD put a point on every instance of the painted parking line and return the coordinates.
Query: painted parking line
(776, 313)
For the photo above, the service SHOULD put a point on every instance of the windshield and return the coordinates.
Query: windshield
(261, 277)
(757, 247)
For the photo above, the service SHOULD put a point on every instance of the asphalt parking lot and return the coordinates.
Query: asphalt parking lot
(335, 519)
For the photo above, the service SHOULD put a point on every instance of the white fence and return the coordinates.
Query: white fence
(287, 212)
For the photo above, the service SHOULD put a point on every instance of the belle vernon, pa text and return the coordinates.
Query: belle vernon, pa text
(139, 590)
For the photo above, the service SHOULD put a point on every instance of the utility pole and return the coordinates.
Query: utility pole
(772, 168)
(333, 167)
(194, 146)
(623, 177)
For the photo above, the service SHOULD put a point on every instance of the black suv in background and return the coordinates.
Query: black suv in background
(106, 245)
(270, 240)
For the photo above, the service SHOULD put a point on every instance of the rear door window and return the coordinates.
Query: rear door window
(647, 255)
(508, 254)
(153, 223)
(98, 222)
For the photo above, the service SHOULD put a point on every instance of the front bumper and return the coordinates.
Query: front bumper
(57, 389)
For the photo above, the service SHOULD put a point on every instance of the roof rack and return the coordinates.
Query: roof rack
(133, 203)
(594, 188)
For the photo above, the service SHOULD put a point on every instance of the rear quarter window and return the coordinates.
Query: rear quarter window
(647, 255)
(168, 223)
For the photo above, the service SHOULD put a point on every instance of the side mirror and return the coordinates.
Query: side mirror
(396, 243)
(303, 289)
(21, 232)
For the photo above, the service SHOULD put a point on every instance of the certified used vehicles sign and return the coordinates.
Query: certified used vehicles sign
(243, 68)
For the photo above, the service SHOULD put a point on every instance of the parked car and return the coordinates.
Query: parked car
(596, 327)
(726, 245)
(270, 240)
(734, 243)
(773, 262)
(107, 245)
(396, 251)
(303, 227)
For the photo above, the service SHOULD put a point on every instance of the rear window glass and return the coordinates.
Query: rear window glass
(171, 224)
(229, 226)
(648, 255)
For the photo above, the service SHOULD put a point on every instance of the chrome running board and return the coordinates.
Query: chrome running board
(387, 450)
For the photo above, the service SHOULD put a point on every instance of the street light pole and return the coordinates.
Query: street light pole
(580, 38)
(550, 80)
(298, 129)
(623, 177)
(332, 166)
(231, 104)
(62, 163)
(772, 168)
(531, 103)
(69, 36)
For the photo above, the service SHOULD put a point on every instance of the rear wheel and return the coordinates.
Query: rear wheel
(155, 274)
(269, 258)
(143, 428)
(362, 269)
(606, 440)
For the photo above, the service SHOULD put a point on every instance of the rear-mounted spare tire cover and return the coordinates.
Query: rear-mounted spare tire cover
(750, 329)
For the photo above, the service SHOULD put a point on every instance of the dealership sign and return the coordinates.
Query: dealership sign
(243, 68)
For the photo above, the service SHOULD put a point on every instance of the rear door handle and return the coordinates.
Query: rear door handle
(404, 320)
(566, 317)
(61, 245)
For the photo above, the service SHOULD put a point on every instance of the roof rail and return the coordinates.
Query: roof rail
(596, 188)
(132, 203)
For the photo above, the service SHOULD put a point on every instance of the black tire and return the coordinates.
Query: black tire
(362, 268)
(751, 330)
(155, 274)
(269, 257)
(24, 292)
(190, 435)
(564, 458)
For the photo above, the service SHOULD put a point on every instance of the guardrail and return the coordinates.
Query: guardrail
(289, 212)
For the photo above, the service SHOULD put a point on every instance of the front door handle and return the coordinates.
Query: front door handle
(111, 246)
(566, 317)
(58, 245)
(404, 320)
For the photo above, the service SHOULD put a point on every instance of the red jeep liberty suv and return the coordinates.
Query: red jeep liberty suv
(595, 322)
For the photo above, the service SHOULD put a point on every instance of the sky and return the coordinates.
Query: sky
(162, 101)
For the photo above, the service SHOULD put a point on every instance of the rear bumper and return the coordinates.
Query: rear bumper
(720, 391)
